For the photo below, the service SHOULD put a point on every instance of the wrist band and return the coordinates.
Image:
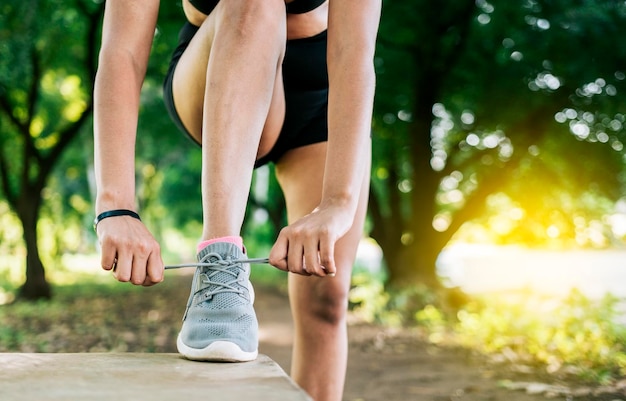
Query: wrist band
(114, 213)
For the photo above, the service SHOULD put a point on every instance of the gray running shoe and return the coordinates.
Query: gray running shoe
(220, 323)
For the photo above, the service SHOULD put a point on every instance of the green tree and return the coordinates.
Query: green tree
(46, 70)
(480, 98)
(47, 64)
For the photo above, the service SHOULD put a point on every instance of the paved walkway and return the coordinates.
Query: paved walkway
(139, 376)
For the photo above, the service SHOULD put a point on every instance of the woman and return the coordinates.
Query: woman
(252, 81)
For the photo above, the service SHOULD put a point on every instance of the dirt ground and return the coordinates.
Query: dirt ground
(387, 365)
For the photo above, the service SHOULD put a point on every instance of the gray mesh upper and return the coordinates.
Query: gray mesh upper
(220, 303)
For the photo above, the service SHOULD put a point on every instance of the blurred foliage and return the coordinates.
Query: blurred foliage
(372, 302)
(368, 301)
(573, 336)
(576, 335)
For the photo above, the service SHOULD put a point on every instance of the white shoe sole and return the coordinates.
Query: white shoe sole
(218, 351)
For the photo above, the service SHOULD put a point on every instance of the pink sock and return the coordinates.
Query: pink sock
(231, 239)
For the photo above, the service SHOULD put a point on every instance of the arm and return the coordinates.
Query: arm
(127, 33)
(352, 29)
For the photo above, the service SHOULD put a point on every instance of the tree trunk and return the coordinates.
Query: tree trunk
(35, 287)
(410, 250)
(410, 265)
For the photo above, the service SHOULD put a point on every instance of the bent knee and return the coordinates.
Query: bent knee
(329, 304)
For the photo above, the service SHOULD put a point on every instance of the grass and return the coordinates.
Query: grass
(91, 316)
(573, 337)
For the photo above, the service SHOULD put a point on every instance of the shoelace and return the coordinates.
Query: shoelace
(220, 266)
(220, 286)
(257, 261)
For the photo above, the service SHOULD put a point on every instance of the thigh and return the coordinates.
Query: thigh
(300, 173)
(189, 80)
(189, 87)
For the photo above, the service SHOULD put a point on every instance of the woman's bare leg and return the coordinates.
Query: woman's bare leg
(319, 305)
(228, 92)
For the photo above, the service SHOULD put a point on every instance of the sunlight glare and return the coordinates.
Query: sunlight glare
(553, 231)
(441, 222)
(516, 213)
(483, 19)
(467, 117)
(6, 297)
(472, 139)
(491, 141)
(36, 126)
(508, 269)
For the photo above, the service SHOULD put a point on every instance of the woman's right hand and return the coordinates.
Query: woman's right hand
(130, 251)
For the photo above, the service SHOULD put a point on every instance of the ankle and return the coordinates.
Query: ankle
(237, 240)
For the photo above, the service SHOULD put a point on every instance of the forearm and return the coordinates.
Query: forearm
(116, 99)
(349, 117)
(352, 29)
(127, 34)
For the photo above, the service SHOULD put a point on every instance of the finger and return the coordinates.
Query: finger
(123, 269)
(108, 254)
(312, 260)
(295, 255)
(148, 282)
(278, 253)
(155, 268)
(305, 269)
(138, 270)
(327, 256)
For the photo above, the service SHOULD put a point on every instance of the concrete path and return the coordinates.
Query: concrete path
(140, 376)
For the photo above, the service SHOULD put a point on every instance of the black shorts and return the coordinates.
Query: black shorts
(305, 80)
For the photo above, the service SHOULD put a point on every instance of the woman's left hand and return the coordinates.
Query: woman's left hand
(307, 246)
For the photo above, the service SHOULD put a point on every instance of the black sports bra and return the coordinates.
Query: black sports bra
(295, 7)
